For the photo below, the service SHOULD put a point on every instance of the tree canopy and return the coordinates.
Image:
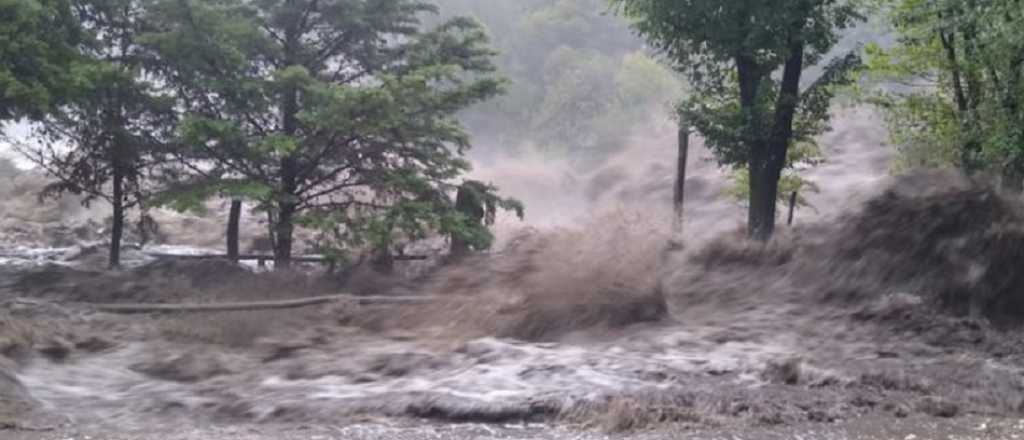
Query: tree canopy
(354, 118)
(37, 49)
(745, 61)
(335, 114)
(104, 141)
(953, 84)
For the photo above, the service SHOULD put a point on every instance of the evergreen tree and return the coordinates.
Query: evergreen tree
(107, 138)
(334, 114)
(37, 50)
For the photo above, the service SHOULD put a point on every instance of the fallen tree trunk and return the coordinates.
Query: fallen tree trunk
(261, 305)
(250, 257)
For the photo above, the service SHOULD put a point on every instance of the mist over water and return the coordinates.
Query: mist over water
(640, 177)
(557, 190)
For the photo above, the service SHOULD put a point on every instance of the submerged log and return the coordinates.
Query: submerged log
(266, 257)
(261, 305)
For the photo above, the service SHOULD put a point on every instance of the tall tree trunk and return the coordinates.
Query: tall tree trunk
(768, 158)
(117, 224)
(234, 218)
(962, 95)
(383, 261)
(679, 195)
(466, 204)
(286, 211)
(1013, 173)
(283, 232)
(458, 247)
(760, 213)
(764, 190)
(287, 205)
(972, 145)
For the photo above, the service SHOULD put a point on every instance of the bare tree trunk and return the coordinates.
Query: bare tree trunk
(965, 102)
(117, 224)
(1013, 172)
(234, 218)
(764, 190)
(383, 261)
(467, 204)
(287, 206)
(458, 247)
(767, 159)
(760, 213)
(283, 232)
(679, 195)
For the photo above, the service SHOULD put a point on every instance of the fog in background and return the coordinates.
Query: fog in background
(586, 124)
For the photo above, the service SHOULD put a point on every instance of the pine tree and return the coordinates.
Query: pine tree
(37, 50)
(338, 115)
(107, 139)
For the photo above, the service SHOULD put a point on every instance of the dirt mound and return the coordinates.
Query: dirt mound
(952, 241)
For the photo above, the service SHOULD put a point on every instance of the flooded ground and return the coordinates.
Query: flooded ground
(748, 347)
(888, 320)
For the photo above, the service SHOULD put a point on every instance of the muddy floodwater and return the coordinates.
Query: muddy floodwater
(751, 344)
(891, 311)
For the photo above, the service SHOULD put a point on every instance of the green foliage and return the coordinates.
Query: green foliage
(190, 195)
(642, 81)
(476, 208)
(703, 39)
(953, 86)
(37, 50)
(580, 81)
(801, 156)
(114, 123)
(704, 36)
(731, 50)
(105, 140)
(338, 115)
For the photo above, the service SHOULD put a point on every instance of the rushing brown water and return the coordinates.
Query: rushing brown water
(800, 337)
